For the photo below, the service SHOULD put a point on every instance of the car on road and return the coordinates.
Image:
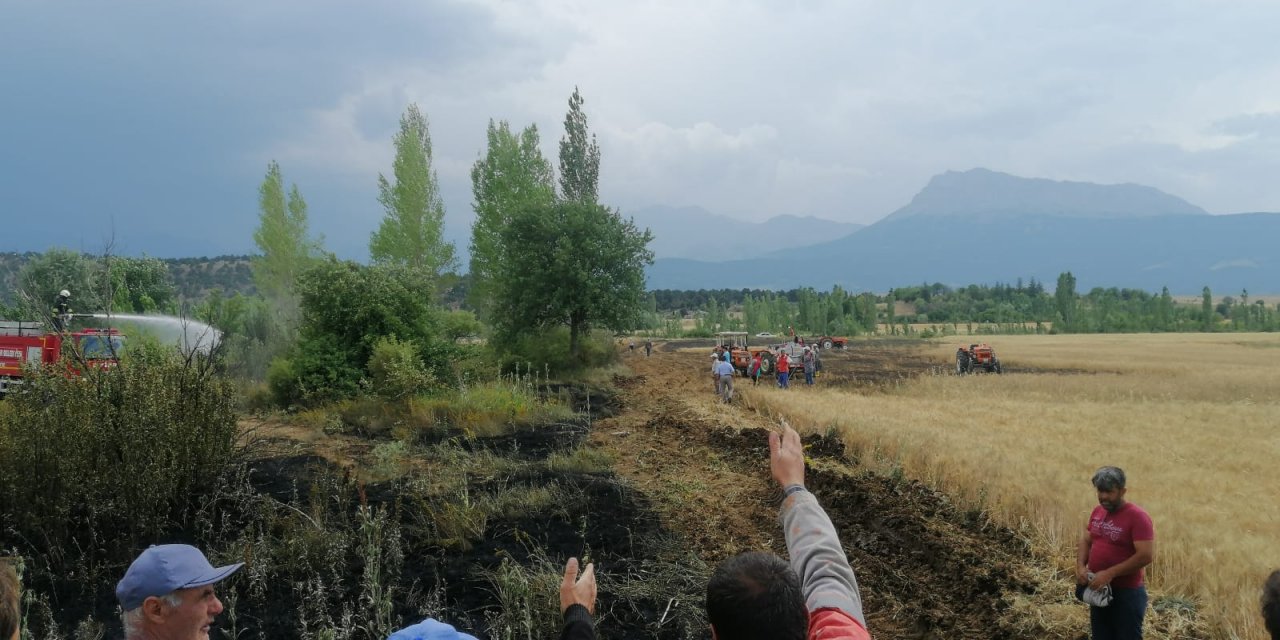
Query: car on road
(764, 334)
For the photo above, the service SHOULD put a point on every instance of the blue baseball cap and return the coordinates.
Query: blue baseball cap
(165, 568)
(430, 629)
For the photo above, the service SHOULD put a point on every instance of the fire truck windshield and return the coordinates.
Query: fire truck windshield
(101, 347)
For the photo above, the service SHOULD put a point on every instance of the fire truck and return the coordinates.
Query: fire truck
(28, 344)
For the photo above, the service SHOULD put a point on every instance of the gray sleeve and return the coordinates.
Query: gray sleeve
(816, 555)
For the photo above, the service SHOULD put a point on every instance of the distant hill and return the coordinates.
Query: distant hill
(1101, 242)
(980, 194)
(694, 232)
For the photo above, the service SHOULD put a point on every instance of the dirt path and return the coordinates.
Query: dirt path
(927, 570)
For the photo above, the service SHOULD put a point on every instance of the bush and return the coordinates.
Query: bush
(320, 371)
(550, 350)
(396, 369)
(94, 467)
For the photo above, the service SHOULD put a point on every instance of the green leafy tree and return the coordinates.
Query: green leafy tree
(579, 156)
(285, 246)
(44, 275)
(1065, 299)
(512, 174)
(572, 264)
(412, 230)
(140, 285)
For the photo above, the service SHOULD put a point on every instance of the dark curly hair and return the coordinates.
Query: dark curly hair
(1271, 604)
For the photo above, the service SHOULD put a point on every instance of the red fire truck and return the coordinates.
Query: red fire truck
(29, 344)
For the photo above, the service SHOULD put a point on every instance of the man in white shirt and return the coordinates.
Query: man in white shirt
(724, 380)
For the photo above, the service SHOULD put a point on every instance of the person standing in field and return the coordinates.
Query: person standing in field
(1271, 604)
(648, 348)
(1118, 541)
(810, 365)
(784, 369)
(754, 370)
(724, 380)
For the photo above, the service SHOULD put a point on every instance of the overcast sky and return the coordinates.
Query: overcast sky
(157, 119)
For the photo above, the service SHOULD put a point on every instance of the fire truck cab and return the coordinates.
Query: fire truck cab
(24, 344)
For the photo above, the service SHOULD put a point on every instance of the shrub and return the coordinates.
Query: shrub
(550, 349)
(396, 369)
(116, 455)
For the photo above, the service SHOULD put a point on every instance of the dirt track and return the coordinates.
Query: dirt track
(926, 569)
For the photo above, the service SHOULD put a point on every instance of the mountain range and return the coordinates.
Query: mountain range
(981, 226)
(697, 234)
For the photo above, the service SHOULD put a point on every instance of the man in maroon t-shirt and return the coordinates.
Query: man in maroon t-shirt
(1118, 541)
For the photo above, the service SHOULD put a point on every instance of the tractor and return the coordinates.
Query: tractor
(741, 355)
(978, 357)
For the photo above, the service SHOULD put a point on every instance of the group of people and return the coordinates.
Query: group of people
(168, 592)
(648, 347)
(810, 364)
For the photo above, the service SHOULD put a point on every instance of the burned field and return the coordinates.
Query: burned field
(926, 567)
(350, 531)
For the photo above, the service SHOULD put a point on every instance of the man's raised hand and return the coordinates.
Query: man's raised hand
(786, 457)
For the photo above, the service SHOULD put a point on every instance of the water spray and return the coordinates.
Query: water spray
(190, 335)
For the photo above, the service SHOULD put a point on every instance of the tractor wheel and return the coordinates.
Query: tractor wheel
(827, 344)
(766, 364)
(999, 369)
(962, 364)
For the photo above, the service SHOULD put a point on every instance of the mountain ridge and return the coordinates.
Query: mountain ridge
(986, 194)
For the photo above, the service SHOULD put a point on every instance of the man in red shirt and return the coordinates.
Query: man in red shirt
(1118, 541)
(784, 369)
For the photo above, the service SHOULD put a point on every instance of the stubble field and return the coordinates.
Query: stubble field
(1193, 419)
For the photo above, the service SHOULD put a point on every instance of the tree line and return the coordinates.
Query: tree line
(1019, 307)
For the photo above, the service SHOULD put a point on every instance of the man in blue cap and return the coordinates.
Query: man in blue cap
(167, 594)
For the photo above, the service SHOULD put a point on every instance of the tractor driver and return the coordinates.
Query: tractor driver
(62, 310)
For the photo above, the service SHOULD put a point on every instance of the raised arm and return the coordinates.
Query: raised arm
(812, 543)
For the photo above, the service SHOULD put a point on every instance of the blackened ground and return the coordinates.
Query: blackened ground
(926, 568)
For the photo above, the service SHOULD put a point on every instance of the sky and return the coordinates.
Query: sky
(148, 126)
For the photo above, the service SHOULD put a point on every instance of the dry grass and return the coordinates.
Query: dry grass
(1193, 419)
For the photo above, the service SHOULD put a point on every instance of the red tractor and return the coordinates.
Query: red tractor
(28, 344)
(978, 357)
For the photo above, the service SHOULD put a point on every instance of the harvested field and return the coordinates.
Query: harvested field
(1192, 419)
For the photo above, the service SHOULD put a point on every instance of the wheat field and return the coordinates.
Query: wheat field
(1194, 420)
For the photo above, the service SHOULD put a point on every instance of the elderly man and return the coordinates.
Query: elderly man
(1118, 541)
(167, 594)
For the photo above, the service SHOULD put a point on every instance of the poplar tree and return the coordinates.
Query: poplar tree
(1065, 298)
(579, 156)
(412, 230)
(283, 242)
(513, 174)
